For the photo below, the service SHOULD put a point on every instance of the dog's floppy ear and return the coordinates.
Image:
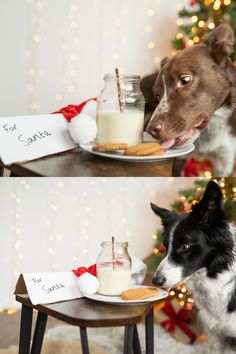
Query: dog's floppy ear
(164, 61)
(220, 42)
(210, 209)
(165, 215)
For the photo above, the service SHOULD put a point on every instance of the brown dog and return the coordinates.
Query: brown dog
(196, 91)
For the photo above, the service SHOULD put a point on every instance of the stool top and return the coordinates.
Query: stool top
(88, 313)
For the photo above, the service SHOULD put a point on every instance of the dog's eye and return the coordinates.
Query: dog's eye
(184, 80)
(185, 247)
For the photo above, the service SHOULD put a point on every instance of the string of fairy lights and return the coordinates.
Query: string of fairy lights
(197, 24)
(16, 256)
(150, 30)
(35, 72)
(68, 84)
(71, 51)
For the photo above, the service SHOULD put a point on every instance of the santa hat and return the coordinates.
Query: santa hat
(82, 120)
(86, 279)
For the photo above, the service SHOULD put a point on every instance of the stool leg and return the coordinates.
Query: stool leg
(149, 333)
(1, 171)
(129, 339)
(25, 329)
(39, 333)
(136, 342)
(12, 174)
(84, 340)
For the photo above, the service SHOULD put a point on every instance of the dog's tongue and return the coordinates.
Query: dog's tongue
(168, 144)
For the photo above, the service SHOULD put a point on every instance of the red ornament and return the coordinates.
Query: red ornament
(187, 208)
(162, 248)
(196, 168)
(193, 2)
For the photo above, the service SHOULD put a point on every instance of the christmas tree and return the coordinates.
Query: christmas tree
(200, 17)
(183, 204)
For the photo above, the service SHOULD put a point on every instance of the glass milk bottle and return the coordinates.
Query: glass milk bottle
(120, 114)
(114, 268)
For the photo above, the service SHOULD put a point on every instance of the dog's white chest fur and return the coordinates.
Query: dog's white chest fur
(212, 302)
(218, 141)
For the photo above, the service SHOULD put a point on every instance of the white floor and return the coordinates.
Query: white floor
(112, 340)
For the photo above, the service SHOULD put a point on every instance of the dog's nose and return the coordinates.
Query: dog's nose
(159, 280)
(155, 132)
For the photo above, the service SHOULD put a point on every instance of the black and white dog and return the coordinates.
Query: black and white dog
(201, 250)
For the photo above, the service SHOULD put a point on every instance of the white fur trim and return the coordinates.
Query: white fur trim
(83, 129)
(88, 284)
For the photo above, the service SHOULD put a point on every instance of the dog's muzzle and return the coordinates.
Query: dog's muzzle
(159, 280)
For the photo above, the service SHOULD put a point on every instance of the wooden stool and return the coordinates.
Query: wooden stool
(86, 313)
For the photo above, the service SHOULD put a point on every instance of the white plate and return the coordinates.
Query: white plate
(117, 300)
(119, 154)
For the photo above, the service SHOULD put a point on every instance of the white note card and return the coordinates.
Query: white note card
(45, 288)
(26, 138)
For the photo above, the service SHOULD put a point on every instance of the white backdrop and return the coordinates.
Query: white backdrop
(55, 225)
(55, 52)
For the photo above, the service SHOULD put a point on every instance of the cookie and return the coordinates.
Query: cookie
(143, 149)
(109, 147)
(139, 293)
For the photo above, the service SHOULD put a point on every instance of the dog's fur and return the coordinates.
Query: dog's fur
(194, 98)
(201, 251)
